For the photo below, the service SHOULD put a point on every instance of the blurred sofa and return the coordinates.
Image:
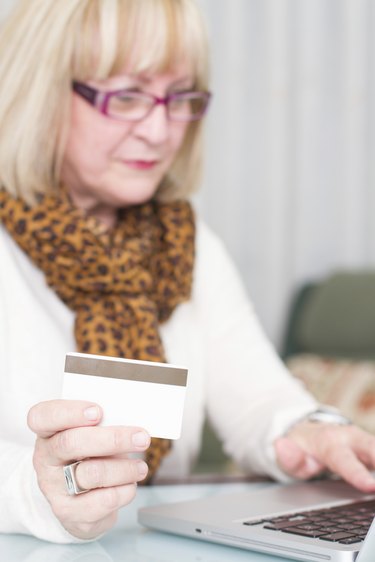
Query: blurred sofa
(330, 342)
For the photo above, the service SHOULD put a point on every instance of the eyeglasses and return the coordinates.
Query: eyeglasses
(127, 105)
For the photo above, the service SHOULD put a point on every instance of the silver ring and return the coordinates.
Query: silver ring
(70, 479)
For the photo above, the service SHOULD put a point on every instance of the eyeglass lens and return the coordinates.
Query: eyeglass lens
(135, 106)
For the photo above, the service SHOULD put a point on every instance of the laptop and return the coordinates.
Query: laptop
(323, 520)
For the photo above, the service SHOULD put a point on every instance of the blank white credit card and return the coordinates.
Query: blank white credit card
(133, 393)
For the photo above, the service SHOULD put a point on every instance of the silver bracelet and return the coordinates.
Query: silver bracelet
(328, 414)
(323, 414)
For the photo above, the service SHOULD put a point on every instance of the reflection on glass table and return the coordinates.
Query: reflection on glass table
(129, 542)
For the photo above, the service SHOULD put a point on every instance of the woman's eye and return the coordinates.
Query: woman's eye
(125, 98)
(127, 94)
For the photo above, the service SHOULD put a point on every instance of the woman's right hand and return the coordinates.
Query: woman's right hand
(66, 432)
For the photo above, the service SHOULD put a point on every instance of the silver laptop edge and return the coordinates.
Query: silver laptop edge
(220, 519)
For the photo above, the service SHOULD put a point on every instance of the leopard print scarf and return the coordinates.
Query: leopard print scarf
(121, 283)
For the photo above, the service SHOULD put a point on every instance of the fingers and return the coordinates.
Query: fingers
(82, 442)
(88, 515)
(47, 418)
(345, 455)
(345, 450)
(364, 447)
(87, 531)
(102, 501)
(295, 461)
(346, 464)
(106, 473)
(67, 431)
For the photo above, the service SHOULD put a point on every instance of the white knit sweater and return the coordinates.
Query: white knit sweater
(234, 376)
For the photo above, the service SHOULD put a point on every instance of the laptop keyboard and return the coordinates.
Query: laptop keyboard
(346, 524)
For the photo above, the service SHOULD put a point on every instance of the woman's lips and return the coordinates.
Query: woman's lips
(141, 164)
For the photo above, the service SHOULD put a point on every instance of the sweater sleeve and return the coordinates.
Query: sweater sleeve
(23, 507)
(251, 397)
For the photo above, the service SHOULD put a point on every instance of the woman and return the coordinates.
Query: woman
(101, 113)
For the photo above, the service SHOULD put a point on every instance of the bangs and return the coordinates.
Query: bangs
(141, 37)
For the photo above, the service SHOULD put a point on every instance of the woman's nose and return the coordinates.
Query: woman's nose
(155, 126)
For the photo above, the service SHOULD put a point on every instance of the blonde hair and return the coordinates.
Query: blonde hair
(45, 44)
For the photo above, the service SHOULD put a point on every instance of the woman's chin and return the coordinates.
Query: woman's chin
(136, 198)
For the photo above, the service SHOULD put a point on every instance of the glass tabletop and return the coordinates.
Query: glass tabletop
(130, 542)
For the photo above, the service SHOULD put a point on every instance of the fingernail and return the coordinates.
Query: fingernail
(369, 481)
(312, 465)
(140, 439)
(91, 413)
(142, 469)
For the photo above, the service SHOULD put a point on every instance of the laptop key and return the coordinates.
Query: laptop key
(350, 541)
(313, 534)
(309, 527)
(322, 521)
(349, 527)
(335, 537)
(255, 522)
(330, 530)
(285, 524)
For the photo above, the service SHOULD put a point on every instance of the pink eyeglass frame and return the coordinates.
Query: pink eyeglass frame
(100, 100)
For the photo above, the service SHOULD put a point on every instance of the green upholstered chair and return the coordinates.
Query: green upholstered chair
(330, 342)
(334, 317)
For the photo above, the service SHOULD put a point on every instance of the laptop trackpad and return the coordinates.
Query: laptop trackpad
(302, 496)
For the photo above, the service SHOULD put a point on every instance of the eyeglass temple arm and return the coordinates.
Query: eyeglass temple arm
(85, 91)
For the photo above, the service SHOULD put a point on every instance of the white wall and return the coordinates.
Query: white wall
(5, 6)
(290, 174)
(289, 181)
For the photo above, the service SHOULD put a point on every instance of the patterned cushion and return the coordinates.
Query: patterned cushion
(348, 385)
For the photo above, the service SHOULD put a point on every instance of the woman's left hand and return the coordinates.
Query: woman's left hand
(310, 448)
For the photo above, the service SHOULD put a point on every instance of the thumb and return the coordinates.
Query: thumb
(293, 460)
